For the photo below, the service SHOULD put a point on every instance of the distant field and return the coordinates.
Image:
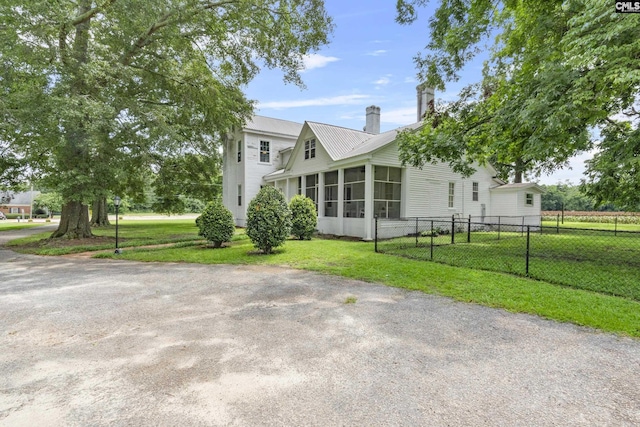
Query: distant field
(592, 217)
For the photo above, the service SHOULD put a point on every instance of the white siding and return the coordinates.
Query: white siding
(250, 170)
(319, 163)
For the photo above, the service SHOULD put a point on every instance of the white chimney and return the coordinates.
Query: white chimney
(425, 100)
(373, 120)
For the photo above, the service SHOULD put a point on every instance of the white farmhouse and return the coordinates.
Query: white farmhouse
(353, 176)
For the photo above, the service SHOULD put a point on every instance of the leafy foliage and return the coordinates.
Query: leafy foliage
(268, 219)
(96, 95)
(52, 201)
(557, 70)
(304, 217)
(567, 196)
(216, 224)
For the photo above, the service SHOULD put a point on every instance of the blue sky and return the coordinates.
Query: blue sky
(368, 62)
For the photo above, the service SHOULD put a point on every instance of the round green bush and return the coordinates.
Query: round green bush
(304, 217)
(216, 224)
(268, 219)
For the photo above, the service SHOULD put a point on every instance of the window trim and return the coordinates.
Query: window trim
(386, 182)
(267, 151)
(310, 149)
(326, 193)
(314, 188)
(529, 199)
(348, 193)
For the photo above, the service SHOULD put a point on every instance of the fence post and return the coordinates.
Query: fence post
(498, 227)
(416, 232)
(522, 228)
(375, 234)
(527, 256)
(558, 225)
(563, 214)
(432, 240)
(453, 229)
(469, 231)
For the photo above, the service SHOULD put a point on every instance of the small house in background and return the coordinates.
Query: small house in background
(353, 176)
(18, 203)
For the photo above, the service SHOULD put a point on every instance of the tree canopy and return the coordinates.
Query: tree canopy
(557, 72)
(96, 93)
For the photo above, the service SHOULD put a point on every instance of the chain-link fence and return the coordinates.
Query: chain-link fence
(604, 261)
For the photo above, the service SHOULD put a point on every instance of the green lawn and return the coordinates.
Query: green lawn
(11, 225)
(357, 260)
(586, 260)
(130, 233)
(593, 225)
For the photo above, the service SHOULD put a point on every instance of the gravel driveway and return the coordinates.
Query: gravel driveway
(91, 342)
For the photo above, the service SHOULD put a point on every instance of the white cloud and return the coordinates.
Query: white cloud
(410, 80)
(377, 52)
(315, 60)
(399, 116)
(316, 102)
(382, 81)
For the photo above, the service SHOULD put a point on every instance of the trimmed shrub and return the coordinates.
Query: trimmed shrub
(303, 217)
(268, 219)
(216, 224)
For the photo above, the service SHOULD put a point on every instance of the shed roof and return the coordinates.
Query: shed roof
(519, 186)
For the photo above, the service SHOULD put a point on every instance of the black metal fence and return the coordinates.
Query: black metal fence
(606, 261)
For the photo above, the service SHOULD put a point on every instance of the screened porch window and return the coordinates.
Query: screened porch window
(312, 188)
(354, 192)
(387, 192)
(331, 193)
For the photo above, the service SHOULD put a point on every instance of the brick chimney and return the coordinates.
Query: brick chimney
(425, 100)
(373, 120)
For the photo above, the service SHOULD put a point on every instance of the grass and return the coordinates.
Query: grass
(593, 225)
(131, 233)
(357, 260)
(585, 260)
(6, 225)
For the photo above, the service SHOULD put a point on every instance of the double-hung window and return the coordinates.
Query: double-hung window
(265, 152)
(475, 192)
(239, 151)
(528, 201)
(309, 149)
(452, 193)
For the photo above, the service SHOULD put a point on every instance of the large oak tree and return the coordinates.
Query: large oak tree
(94, 92)
(557, 72)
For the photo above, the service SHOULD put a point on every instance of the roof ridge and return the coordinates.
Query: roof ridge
(342, 127)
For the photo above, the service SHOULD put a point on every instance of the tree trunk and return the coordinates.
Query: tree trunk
(74, 222)
(99, 215)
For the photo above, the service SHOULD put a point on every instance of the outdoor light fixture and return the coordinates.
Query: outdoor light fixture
(116, 203)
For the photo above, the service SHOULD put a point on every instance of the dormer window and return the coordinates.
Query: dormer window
(310, 149)
(264, 152)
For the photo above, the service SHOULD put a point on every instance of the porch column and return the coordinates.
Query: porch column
(340, 230)
(287, 197)
(368, 201)
(320, 194)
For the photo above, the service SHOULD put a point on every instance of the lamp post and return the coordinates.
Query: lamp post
(116, 203)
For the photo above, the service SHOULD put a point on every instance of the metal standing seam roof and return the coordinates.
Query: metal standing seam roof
(377, 141)
(336, 140)
(271, 125)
